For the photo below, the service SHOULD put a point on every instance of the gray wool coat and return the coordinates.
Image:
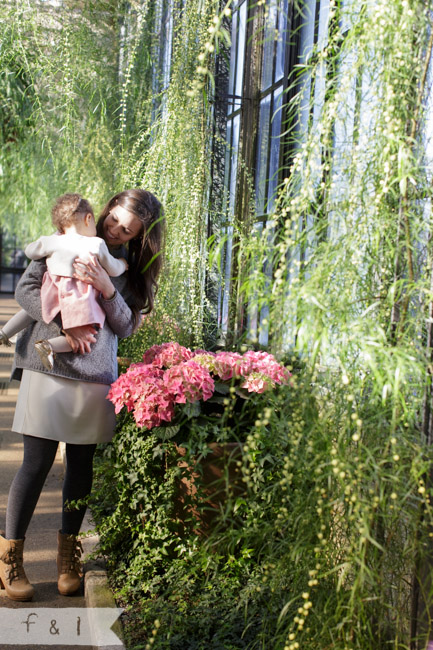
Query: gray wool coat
(100, 365)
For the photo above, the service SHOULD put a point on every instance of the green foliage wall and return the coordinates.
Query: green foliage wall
(351, 289)
(59, 93)
(85, 109)
(174, 164)
(333, 542)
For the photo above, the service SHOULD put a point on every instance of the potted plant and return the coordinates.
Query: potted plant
(205, 402)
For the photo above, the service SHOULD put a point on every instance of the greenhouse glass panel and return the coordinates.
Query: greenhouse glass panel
(262, 153)
(234, 163)
(241, 48)
(232, 72)
(269, 44)
(274, 157)
(323, 26)
(168, 44)
(280, 58)
(306, 34)
(227, 273)
(228, 157)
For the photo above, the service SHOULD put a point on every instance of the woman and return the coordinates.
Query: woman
(69, 404)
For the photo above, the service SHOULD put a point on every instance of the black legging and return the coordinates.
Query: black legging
(39, 455)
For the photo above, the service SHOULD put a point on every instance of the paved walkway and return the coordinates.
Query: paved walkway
(41, 540)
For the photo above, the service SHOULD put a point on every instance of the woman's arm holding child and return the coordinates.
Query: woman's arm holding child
(28, 290)
(122, 318)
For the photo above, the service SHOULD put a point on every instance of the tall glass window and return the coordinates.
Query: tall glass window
(268, 158)
(263, 110)
(271, 105)
(271, 42)
(234, 105)
(313, 28)
(163, 28)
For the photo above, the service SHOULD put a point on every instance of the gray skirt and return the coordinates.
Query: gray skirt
(62, 409)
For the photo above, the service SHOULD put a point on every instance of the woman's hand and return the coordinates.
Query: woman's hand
(93, 273)
(80, 338)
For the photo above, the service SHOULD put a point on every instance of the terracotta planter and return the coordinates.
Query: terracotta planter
(207, 486)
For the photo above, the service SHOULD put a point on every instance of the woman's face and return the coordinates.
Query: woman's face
(120, 226)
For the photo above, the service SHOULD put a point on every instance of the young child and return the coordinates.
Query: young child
(76, 300)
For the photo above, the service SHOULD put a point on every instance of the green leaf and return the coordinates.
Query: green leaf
(165, 433)
(222, 388)
(192, 409)
(216, 399)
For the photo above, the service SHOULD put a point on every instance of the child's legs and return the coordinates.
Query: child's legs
(39, 455)
(17, 323)
(60, 344)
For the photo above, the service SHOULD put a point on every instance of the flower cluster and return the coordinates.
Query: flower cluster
(167, 355)
(260, 370)
(189, 382)
(171, 374)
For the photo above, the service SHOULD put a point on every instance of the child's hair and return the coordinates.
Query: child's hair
(66, 208)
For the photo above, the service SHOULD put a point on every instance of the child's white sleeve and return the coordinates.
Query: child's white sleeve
(113, 266)
(37, 249)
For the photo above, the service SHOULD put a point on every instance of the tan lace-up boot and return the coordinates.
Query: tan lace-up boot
(69, 551)
(12, 574)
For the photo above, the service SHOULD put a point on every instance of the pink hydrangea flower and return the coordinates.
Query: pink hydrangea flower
(205, 359)
(227, 365)
(167, 354)
(171, 374)
(189, 382)
(131, 386)
(151, 353)
(153, 407)
(263, 362)
(200, 352)
(257, 382)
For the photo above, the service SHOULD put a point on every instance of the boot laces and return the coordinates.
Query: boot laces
(71, 555)
(14, 561)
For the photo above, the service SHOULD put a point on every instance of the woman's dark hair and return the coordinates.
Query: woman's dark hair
(145, 250)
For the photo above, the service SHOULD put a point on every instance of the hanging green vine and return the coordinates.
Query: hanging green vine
(98, 126)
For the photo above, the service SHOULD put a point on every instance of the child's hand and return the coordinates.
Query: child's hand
(122, 259)
(93, 273)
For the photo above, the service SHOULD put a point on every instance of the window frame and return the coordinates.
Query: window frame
(252, 95)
